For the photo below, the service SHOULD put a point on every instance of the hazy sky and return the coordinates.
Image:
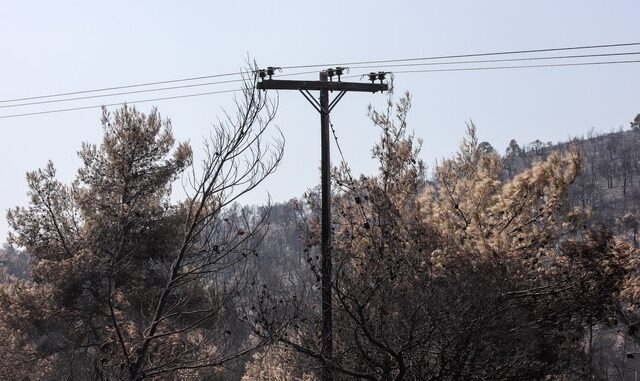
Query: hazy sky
(57, 46)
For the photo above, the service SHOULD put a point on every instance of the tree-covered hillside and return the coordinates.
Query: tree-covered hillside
(609, 181)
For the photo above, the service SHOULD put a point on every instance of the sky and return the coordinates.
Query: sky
(51, 47)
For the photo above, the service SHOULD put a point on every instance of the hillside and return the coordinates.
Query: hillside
(610, 180)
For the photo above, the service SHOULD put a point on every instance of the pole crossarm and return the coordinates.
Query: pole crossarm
(276, 84)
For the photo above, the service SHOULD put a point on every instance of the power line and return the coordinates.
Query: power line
(356, 67)
(137, 91)
(351, 76)
(118, 103)
(53, 95)
(508, 67)
(301, 73)
(120, 87)
(120, 93)
(308, 72)
(500, 60)
(466, 55)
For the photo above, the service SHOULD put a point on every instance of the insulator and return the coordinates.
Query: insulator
(372, 77)
(381, 75)
(262, 73)
(270, 71)
(330, 72)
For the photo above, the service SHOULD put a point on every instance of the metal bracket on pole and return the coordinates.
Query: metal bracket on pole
(316, 105)
(311, 99)
(337, 99)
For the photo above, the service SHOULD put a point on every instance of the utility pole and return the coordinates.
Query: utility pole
(324, 107)
(325, 241)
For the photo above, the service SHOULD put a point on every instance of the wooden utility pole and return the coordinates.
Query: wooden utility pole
(325, 242)
(324, 107)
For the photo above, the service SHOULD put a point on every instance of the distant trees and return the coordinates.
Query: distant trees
(610, 168)
(14, 264)
(127, 284)
(628, 157)
(635, 123)
(513, 156)
(536, 147)
(486, 147)
(630, 224)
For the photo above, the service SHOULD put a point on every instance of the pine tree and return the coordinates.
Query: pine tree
(126, 283)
